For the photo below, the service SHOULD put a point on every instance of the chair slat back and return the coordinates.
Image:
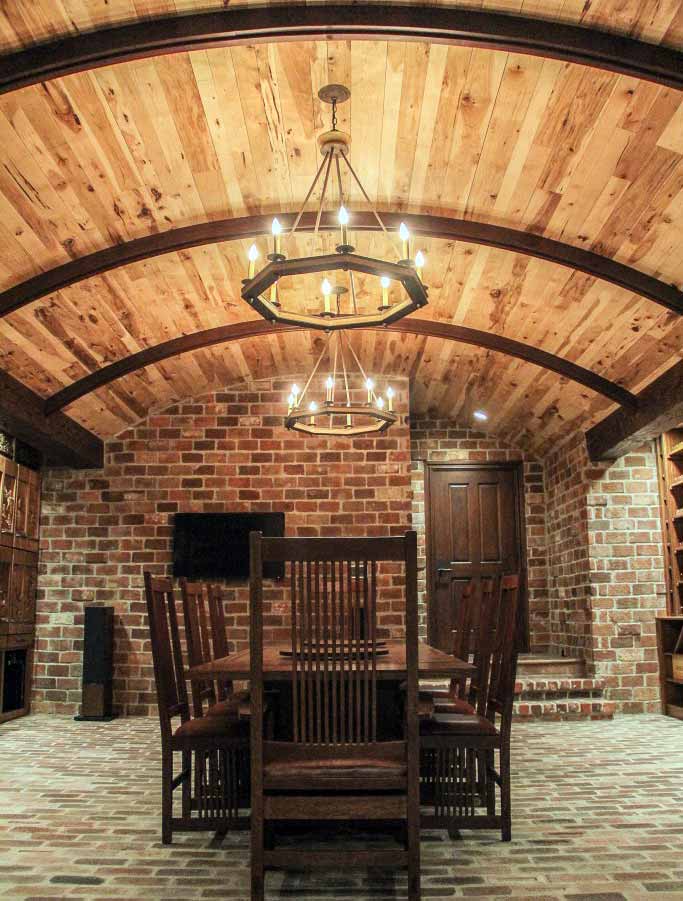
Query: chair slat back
(167, 656)
(483, 645)
(334, 642)
(333, 592)
(198, 639)
(504, 657)
(465, 629)
(219, 634)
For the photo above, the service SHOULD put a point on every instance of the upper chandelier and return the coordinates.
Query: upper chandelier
(393, 290)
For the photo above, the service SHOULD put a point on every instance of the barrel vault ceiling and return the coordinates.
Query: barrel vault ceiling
(576, 154)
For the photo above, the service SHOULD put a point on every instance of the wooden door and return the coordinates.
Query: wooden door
(474, 529)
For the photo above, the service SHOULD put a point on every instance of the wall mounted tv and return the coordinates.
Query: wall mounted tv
(216, 545)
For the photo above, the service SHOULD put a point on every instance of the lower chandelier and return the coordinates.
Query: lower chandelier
(348, 415)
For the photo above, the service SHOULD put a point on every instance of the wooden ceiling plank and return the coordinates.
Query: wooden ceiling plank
(660, 408)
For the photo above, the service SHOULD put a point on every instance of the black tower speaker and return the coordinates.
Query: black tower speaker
(98, 664)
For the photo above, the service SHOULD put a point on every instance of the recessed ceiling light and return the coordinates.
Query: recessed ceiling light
(480, 415)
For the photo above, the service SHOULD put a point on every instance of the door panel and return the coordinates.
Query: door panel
(480, 504)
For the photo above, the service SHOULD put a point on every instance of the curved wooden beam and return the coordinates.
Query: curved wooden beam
(449, 229)
(259, 328)
(369, 21)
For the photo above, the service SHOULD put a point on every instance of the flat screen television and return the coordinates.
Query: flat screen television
(216, 545)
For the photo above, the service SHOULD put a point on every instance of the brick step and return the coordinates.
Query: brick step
(546, 664)
(564, 709)
(555, 686)
(548, 696)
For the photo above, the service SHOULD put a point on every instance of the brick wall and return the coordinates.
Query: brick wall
(569, 614)
(605, 568)
(442, 441)
(594, 545)
(225, 451)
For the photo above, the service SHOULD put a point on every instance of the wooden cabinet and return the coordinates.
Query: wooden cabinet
(671, 497)
(19, 525)
(670, 649)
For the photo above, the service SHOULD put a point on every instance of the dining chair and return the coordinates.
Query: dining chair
(335, 765)
(206, 641)
(219, 745)
(473, 639)
(455, 745)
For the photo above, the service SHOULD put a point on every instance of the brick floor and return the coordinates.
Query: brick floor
(598, 810)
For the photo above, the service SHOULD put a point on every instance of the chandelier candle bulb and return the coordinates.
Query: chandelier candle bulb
(369, 384)
(253, 256)
(276, 229)
(295, 395)
(380, 402)
(329, 388)
(385, 282)
(419, 263)
(405, 238)
(312, 408)
(390, 399)
(327, 290)
(343, 222)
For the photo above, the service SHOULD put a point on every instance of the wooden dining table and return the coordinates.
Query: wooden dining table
(277, 664)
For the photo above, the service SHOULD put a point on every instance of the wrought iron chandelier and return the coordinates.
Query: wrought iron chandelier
(349, 417)
(397, 289)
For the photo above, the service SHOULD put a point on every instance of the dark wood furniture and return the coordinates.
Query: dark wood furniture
(336, 766)
(670, 466)
(670, 650)
(455, 744)
(391, 667)
(219, 745)
(473, 641)
(205, 641)
(19, 527)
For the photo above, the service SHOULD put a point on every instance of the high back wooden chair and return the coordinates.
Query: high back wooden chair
(458, 748)
(473, 639)
(335, 765)
(220, 746)
(219, 634)
(205, 643)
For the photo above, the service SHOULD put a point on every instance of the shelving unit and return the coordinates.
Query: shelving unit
(670, 461)
(19, 523)
(670, 644)
(670, 627)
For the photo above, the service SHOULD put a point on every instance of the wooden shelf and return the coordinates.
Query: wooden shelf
(676, 452)
(670, 642)
(678, 515)
(677, 483)
(674, 710)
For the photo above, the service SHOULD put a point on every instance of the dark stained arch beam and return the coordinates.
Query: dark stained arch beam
(368, 21)
(409, 326)
(660, 408)
(445, 227)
